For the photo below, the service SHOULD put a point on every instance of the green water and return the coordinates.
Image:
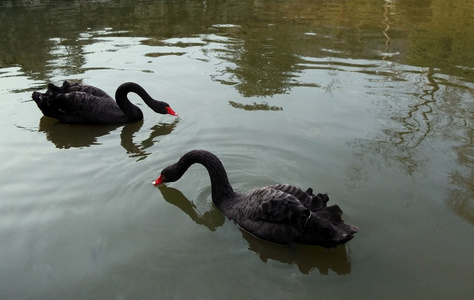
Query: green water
(369, 101)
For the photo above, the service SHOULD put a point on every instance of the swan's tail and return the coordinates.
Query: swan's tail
(45, 101)
(326, 228)
(36, 97)
(41, 98)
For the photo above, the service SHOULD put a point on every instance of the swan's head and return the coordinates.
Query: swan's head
(162, 108)
(169, 174)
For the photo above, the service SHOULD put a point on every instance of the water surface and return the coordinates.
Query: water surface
(368, 101)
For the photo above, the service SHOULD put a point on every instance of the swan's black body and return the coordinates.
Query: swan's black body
(282, 213)
(75, 103)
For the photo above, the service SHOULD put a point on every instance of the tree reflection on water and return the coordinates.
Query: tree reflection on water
(261, 55)
(437, 112)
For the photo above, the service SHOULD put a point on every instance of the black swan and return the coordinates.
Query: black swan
(75, 103)
(281, 213)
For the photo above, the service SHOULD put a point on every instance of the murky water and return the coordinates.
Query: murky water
(369, 101)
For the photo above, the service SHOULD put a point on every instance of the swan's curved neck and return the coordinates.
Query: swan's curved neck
(220, 185)
(129, 109)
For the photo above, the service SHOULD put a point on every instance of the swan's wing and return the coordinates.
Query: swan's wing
(277, 214)
(275, 206)
(78, 107)
(323, 227)
(332, 214)
(271, 215)
(308, 199)
(70, 87)
(92, 90)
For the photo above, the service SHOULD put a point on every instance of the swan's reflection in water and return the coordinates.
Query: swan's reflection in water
(138, 151)
(307, 258)
(211, 219)
(66, 136)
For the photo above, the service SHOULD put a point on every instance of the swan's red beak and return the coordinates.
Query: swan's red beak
(171, 111)
(158, 181)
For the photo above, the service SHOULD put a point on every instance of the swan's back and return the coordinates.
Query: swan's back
(75, 103)
(285, 214)
(70, 86)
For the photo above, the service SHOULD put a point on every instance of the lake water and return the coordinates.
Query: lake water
(369, 101)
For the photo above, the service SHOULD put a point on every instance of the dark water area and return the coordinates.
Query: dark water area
(369, 101)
